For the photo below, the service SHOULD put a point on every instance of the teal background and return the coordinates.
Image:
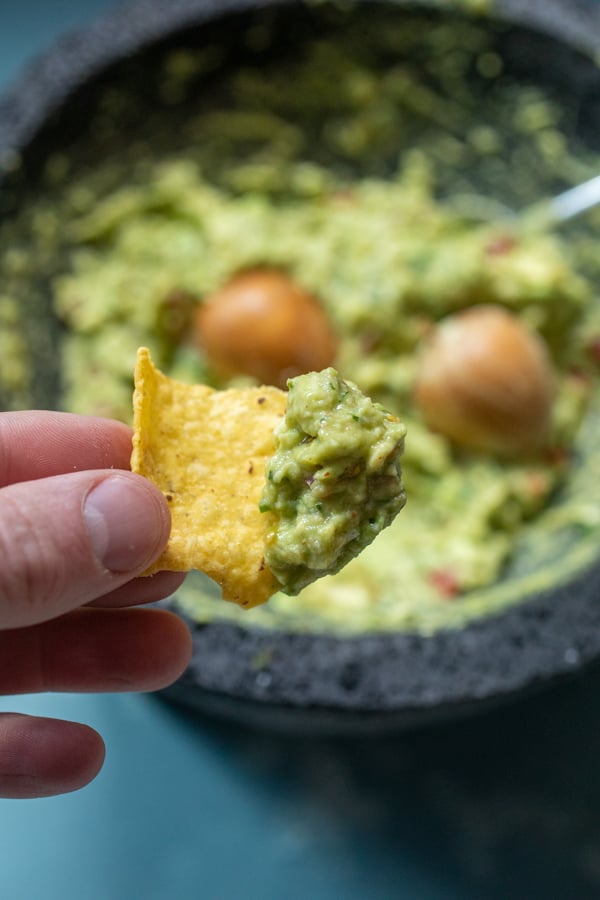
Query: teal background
(506, 805)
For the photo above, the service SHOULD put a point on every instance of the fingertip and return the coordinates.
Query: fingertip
(41, 757)
(128, 522)
(142, 590)
(174, 652)
(40, 443)
(68, 540)
(76, 768)
(134, 649)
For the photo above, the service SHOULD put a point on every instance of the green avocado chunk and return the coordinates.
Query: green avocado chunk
(334, 480)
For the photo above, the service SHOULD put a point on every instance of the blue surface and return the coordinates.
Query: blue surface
(28, 27)
(503, 806)
(506, 805)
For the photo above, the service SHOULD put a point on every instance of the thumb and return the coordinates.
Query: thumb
(69, 539)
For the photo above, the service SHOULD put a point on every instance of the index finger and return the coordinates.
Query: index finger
(38, 444)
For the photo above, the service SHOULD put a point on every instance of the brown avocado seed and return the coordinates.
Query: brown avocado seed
(486, 382)
(262, 323)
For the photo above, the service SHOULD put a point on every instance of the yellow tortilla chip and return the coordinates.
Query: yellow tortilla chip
(207, 451)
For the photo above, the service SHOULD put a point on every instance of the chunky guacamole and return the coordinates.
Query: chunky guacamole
(363, 166)
(334, 481)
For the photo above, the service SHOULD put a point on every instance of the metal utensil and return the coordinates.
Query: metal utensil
(539, 216)
(563, 207)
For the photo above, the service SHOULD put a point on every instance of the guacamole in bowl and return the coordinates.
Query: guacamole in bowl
(372, 164)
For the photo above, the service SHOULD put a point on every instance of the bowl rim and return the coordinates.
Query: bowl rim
(47, 80)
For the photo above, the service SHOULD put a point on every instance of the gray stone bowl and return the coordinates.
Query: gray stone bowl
(318, 682)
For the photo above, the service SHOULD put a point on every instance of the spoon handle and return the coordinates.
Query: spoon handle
(563, 207)
(576, 200)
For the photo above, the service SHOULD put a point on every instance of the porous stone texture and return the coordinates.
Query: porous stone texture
(393, 680)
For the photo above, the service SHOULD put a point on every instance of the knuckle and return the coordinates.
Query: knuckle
(32, 573)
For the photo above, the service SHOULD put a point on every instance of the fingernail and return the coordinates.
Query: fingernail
(125, 522)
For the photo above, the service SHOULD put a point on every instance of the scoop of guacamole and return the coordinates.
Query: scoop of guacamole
(334, 480)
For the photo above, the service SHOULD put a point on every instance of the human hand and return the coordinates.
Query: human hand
(74, 536)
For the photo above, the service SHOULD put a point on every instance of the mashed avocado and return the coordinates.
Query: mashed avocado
(362, 165)
(334, 480)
